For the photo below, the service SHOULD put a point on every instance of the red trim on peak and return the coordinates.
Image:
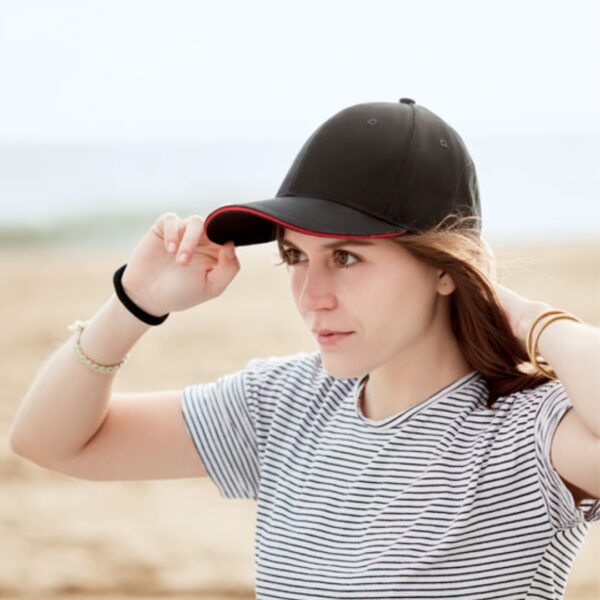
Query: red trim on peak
(253, 211)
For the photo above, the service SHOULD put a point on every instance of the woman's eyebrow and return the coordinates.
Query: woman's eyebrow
(336, 244)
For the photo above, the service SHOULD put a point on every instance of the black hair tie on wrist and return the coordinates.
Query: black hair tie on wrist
(129, 305)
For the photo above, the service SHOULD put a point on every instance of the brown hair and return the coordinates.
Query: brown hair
(481, 328)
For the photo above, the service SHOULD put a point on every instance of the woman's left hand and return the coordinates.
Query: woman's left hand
(520, 311)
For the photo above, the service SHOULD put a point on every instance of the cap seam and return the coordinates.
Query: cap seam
(399, 167)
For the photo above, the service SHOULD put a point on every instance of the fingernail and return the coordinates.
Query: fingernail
(182, 257)
(171, 247)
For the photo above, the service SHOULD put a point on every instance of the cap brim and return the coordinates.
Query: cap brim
(254, 222)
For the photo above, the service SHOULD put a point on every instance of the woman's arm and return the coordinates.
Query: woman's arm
(67, 402)
(572, 349)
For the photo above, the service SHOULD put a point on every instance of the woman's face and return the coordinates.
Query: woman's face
(374, 289)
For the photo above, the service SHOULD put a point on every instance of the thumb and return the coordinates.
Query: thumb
(227, 255)
(226, 266)
(230, 251)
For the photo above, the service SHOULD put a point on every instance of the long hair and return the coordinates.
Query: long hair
(478, 321)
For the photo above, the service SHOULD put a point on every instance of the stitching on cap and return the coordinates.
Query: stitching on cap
(400, 165)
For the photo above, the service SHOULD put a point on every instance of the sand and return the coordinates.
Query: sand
(63, 537)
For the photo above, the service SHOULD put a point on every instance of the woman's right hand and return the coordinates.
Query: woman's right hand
(159, 279)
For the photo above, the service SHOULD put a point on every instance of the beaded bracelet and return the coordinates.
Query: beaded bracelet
(134, 309)
(78, 327)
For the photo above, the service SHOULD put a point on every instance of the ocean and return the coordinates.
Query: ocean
(534, 188)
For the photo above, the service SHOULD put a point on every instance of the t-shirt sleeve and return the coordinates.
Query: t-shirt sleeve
(563, 511)
(220, 417)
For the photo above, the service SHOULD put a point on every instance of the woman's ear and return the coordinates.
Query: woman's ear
(445, 284)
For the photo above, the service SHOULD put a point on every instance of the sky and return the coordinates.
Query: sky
(130, 70)
(130, 104)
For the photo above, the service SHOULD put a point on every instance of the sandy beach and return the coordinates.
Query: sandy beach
(66, 538)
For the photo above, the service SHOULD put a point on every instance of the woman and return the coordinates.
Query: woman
(424, 451)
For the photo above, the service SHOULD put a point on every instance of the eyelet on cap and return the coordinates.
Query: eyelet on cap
(443, 143)
(407, 101)
(372, 121)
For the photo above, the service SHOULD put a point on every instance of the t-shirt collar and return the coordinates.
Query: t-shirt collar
(393, 420)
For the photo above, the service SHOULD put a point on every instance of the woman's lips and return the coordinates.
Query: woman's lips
(332, 338)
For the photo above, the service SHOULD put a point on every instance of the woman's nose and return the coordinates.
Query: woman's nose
(315, 290)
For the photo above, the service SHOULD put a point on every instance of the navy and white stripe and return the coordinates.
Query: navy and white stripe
(446, 499)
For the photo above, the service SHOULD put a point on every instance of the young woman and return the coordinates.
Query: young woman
(425, 450)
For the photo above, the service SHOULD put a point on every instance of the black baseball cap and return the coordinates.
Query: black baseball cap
(377, 169)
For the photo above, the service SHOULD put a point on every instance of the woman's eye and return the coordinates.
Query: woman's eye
(289, 256)
(344, 253)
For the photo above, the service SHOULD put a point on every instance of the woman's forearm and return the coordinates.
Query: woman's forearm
(572, 349)
(67, 401)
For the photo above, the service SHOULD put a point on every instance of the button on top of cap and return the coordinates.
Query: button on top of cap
(407, 101)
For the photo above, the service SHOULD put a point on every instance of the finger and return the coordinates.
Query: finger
(204, 239)
(226, 267)
(191, 237)
(170, 226)
(230, 253)
(226, 257)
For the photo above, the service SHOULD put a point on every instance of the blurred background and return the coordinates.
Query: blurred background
(112, 113)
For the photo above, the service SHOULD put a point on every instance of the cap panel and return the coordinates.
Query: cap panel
(437, 179)
(468, 201)
(351, 159)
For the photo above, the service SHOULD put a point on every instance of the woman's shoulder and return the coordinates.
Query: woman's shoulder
(538, 391)
(290, 377)
(530, 400)
(306, 365)
(279, 360)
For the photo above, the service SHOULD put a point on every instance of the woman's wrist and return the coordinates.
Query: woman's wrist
(532, 310)
(128, 297)
(111, 333)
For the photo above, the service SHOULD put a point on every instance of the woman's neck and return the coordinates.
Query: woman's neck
(412, 377)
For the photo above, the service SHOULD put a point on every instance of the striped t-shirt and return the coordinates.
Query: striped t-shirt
(445, 499)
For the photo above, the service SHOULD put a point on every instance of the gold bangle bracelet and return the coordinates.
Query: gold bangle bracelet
(532, 347)
(78, 327)
(547, 313)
